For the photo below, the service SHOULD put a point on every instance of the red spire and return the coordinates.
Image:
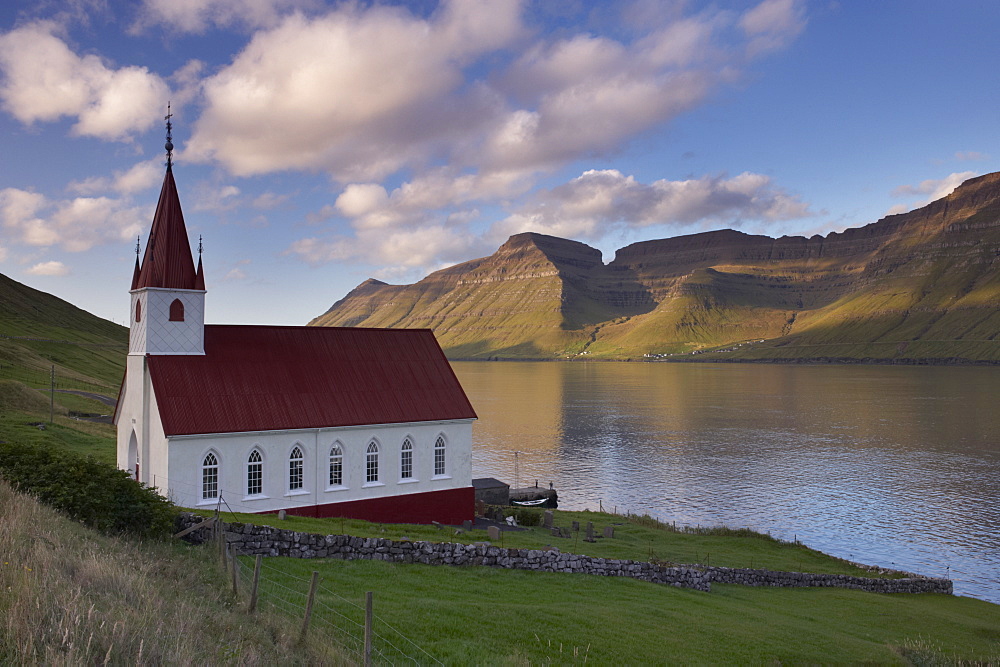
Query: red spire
(135, 273)
(167, 261)
(199, 276)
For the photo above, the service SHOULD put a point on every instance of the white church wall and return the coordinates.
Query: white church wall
(156, 455)
(187, 453)
(138, 414)
(129, 412)
(137, 328)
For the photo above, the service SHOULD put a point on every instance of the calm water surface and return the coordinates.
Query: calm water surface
(889, 466)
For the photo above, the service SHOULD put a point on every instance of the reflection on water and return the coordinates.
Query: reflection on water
(895, 466)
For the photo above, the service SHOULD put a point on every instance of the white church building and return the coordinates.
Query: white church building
(317, 421)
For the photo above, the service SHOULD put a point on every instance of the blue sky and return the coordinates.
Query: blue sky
(320, 143)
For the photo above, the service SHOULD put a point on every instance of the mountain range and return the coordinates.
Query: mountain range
(918, 287)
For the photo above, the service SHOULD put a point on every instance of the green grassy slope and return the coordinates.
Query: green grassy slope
(479, 615)
(38, 331)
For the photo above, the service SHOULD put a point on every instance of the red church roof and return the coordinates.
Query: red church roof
(167, 261)
(261, 378)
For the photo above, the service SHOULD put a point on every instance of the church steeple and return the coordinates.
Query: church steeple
(168, 293)
(135, 272)
(167, 261)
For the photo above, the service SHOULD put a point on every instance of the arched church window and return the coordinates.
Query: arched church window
(210, 477)
(138, 311)
(371, 462)
(406, 460)
(295, 472)
(336, 466)
(176, 311)
(255, 473)
(439, 447)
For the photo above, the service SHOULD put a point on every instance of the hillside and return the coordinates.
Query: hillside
(919, 287)
(39, 330)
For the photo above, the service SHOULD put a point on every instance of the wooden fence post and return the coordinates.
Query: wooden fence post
(368, 628)
(236, 570)
(309, 603)
(256, 582)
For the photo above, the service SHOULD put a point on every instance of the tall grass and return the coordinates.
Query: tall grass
(71, 596)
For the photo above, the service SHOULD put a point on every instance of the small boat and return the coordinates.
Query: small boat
(530, 503)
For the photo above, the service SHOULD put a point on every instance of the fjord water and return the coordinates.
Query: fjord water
(891, 466)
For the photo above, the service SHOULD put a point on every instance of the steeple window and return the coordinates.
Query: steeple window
(176, 311)
(138, 311)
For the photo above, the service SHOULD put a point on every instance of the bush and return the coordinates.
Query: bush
(524, 516)
(94, 493)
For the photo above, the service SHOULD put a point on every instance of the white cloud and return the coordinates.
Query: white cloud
(137, 178)
(772, 24)
(269, 200)
(197, 16)
(43, 80)
(597, 202)
(364, 92)
(588, 94)
(934, 189)
(359, 199)
(971, 156)
(401, 251)
(427, 199)
(358, 92)
(237, 273)
(74, 224)
(209, 197)
(52, 268)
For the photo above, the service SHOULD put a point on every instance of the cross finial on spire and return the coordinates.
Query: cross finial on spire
(137, 245)
(199, 246)
(170, 144)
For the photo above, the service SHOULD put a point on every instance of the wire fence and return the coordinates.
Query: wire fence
(352, 626)
(45, 378)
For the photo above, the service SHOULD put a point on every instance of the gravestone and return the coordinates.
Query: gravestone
(467, 525)
(576, 526)
(590, 532)
(547, 519)
(281, 515)
(609, 531)
(493, 533)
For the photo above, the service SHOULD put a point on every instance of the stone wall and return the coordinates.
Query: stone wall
(250, 540)
(910, 584)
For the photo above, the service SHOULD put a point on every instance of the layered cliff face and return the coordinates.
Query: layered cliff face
(528, 299)
(924, 285)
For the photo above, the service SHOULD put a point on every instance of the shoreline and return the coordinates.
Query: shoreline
(813, 361)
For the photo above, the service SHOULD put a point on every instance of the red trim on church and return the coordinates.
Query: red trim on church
(451, 507)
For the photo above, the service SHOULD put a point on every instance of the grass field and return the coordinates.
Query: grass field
(478, 615)
(635, 538)
(24, 418)
(70, 596)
